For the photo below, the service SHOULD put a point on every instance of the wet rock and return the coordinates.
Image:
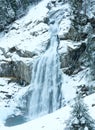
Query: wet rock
(7, 14)
(75, 35)
(92, 21)
(82, 19)
(21, 53)
(8, 96)
(19, 71)
(46, 20)
(91, 55)
(72, 34)
(70, 61)
(3, 91)
(23, 72)
(26, 53)
(6, 69)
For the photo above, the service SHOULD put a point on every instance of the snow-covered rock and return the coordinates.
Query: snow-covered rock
(27, 39)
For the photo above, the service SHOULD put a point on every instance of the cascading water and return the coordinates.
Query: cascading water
(46, 81)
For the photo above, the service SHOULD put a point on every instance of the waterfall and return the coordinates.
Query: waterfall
(46, 79)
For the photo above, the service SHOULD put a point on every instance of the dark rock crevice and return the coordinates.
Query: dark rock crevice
(71, 60)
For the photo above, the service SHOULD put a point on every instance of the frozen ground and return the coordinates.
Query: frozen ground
(55, 120)
(22, 36)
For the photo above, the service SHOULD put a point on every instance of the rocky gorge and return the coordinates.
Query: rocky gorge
(24, 40)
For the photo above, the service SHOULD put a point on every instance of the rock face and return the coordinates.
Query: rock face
(6, 69)
(13, 9)
(18, 71)
(82, 29)
(80, 35)
(70, 61)
(23, 71)
(7, 14)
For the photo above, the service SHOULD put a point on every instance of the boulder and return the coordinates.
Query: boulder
(22, 53)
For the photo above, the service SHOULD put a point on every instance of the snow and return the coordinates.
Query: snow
(21, 31)
(70, 83)
(90, 101)
(6, 108)
(52, 121)
(22, 37)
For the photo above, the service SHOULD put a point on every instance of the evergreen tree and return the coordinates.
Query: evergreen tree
(80, 119)
(76, 6)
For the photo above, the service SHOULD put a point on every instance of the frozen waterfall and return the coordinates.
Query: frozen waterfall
(46, 81)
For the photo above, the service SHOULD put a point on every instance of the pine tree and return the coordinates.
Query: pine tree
(79, 19)
(80, 118)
